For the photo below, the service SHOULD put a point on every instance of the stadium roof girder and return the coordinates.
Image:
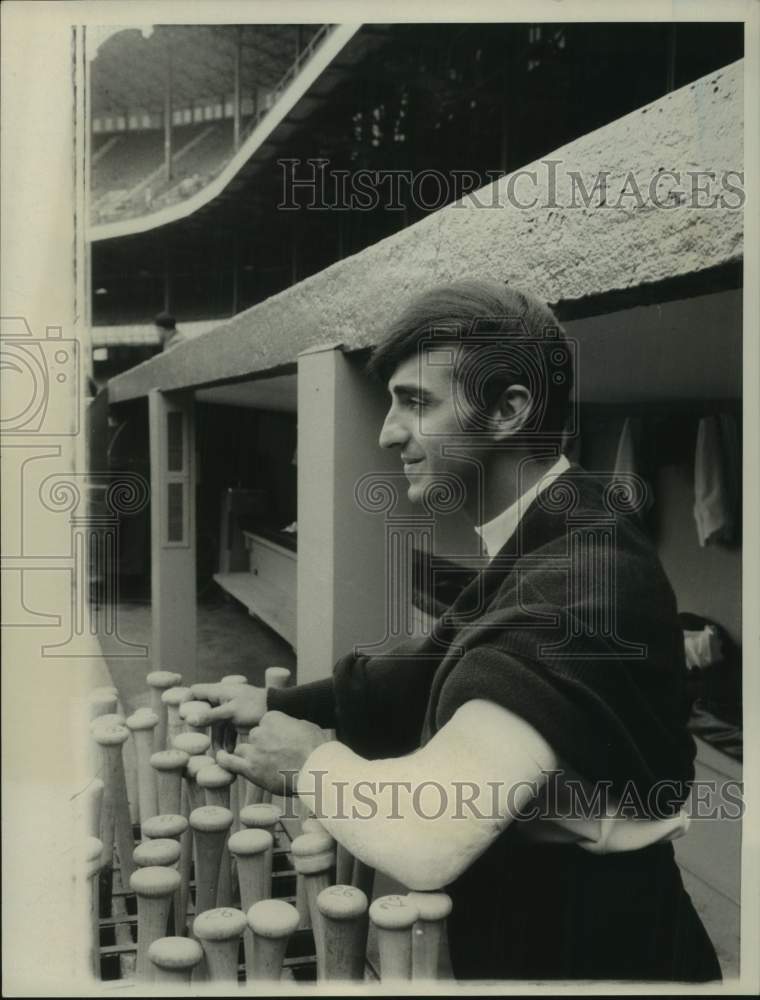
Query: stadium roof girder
(128, 70)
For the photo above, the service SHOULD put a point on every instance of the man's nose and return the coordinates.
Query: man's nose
(392, 432)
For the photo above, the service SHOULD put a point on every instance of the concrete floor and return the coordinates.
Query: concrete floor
(230, 641)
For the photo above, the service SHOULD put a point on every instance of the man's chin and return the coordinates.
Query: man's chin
(416, 491)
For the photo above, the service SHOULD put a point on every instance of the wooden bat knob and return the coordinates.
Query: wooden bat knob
(312, 825)
(175, 953)
(163, 679)
(142, 719)
(214, 776)
(210, 819)
(394, 917)
(93, 855)
(109, 719)
(165, 825)
(195, 713)
(154, 887)
(170, 760)
(393, 913)
(161, 852)
(272, 922)
(154, 882)
(219, 931)
(235, 679)
(313, 853)
(104, 693)
(219, 924)
(193, 744)
(196, 764)
(263, 815)
(249, 842)
(110, 734)
(276, 677)
(342, 902)
(176, 696)
(272, 918)
(102, 700)
(344, 927)
(431, 906)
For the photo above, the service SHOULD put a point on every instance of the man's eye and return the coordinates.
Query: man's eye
(414, 402)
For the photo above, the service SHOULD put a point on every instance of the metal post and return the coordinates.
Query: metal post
(168, 114)
(236, 99)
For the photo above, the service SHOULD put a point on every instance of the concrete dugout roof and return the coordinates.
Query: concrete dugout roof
(561, 251)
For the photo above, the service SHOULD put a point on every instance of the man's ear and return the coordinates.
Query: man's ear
(511, 411)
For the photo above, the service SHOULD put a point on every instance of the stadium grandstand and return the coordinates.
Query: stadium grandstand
(191, 125)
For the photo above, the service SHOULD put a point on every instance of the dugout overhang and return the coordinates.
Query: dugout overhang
(630, 263)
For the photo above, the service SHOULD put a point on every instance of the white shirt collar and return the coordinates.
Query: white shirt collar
(497, 532)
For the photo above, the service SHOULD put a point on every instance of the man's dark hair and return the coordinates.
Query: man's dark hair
(487, 315)
(165, 321)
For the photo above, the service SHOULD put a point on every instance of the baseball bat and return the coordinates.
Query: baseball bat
(313, 858)
(94, 806)
(108, 719)
(111, 739)
(363, 877)
(263, 817)
(191, 712)
(154, 888)
(102, 701)
(345, 924)
(276, 677)
(433, 908)
(215, 782)
(219, 931)
(394, 917)
(173, 960)
(193, 744)
(173, 697)
(344, 865)
(162, 852)
(93, 862)
(210, 826)
(170, 825)
(272, 922)
(253, 850)
(142, 723)
(158, 682)
(169, 766)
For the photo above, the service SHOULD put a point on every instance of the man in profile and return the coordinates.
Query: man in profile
(557, 674)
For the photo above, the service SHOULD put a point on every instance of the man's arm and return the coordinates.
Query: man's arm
(376, 704)
(424, 818)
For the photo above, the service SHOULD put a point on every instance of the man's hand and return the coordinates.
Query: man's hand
(241, 704)
(279, 747)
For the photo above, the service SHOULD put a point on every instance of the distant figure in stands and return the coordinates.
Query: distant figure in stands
(168, 332)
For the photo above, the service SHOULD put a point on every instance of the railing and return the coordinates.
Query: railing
(289, 76)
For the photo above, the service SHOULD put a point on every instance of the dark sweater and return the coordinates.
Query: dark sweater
(609, 716)
(523, 910)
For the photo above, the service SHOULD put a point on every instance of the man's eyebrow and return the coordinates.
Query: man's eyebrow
(410, 389)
